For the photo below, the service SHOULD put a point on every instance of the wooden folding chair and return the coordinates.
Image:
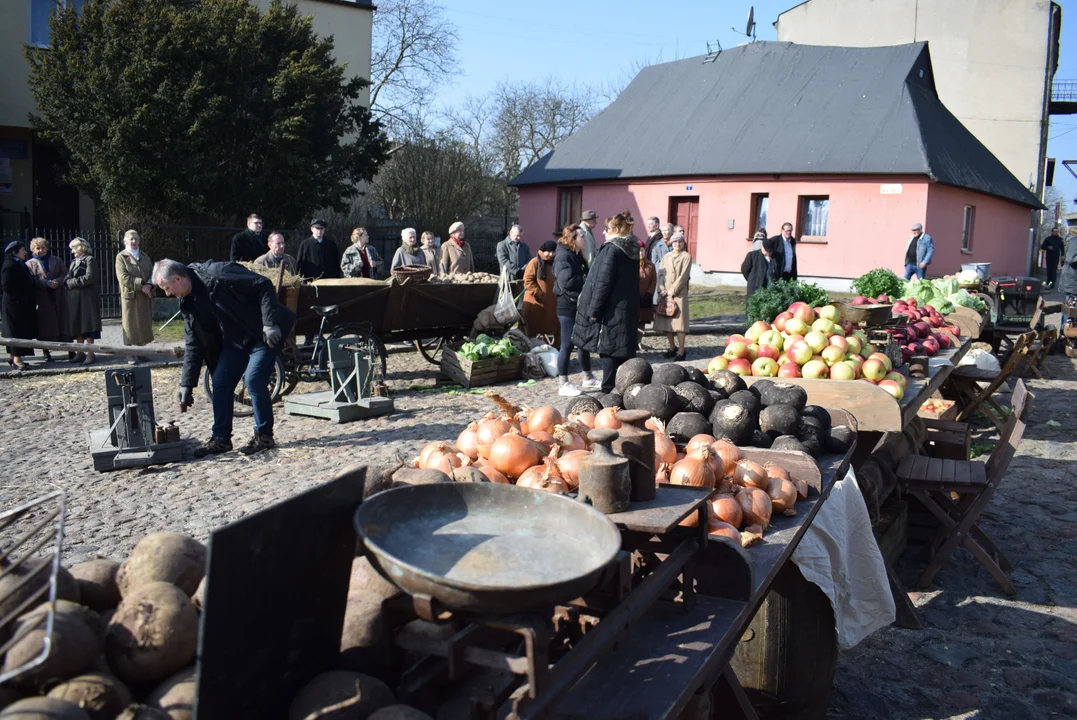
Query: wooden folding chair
(1036, 352)
(935, 481)
(965, 381)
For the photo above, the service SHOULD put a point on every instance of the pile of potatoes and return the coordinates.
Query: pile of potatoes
(125, 637)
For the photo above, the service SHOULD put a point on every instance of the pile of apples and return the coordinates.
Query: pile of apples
(811, 343)
(861, 300)
(918, 337)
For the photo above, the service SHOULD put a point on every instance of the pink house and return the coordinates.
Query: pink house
(851, 145)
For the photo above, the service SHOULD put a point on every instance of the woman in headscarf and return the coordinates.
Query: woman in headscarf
(409, 252)
(360, 260)
(19, 306)
(49, 273)
(673, 285)
(539, 311)
(83, 299)
(134, 272)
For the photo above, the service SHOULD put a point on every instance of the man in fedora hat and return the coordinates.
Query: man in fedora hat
(918, 252)
(588, 221)
(318, 255)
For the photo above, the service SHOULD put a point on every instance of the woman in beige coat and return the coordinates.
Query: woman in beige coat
(673, 274)
(134, 271)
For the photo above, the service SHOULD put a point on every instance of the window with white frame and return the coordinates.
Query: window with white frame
(41, 11)
(812, 214)
(967, 227)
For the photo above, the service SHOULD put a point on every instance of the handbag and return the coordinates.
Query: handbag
(667, 307)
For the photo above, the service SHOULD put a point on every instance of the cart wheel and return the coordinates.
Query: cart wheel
(430, 349)
(362, 335)
(241, 400)
(582, 404)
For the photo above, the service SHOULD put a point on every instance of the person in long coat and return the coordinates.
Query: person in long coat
(429, 250)
(83, 299)
(757, 269)
(19, 305)
(607, 311)
(456, 257)
(648, 287)
(49, 273)
(409, 252)
(134, 273)
(539, 311)
(673, 275)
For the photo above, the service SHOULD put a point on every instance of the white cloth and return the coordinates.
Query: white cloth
(839, 554)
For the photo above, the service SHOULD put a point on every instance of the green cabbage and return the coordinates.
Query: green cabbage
(945, 286)
(966, 299)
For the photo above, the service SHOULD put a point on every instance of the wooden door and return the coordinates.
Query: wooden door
(684, 211)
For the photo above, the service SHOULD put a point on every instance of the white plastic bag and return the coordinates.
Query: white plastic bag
(981, 359)
(505, 310)
(548, 356)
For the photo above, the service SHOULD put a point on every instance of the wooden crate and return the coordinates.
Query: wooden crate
(949, 412)
(476, 373)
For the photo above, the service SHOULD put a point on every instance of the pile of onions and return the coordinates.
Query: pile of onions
(698, 441)
(493, 475)
(665, 452)
(783, 495)
(467, 442)
(726, 509)
(569, 438)
(749, 473)
(729, 453)
(489, 430)
(512, 454)
(544, 477)
(441, 456)
(585, 418)
(756, 506)
(569, 465)
(543, 438)
(607, 418)
(717, 528)
(695, 470)
(544, 419)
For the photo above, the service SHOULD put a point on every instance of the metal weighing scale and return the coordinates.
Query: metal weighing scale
(351, 378)
(133, 438)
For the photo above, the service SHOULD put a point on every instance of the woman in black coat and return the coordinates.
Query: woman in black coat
(20, 301)
(608, 308)
(756, 268)
(567, 284)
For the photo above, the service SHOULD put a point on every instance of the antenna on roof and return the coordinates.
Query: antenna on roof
(712, 54)
(749, 27)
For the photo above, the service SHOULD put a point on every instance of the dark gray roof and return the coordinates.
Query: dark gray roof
(778, 107)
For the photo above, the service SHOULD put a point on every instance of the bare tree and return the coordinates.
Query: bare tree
(413, 53)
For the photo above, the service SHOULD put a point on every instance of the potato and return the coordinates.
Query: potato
(163, 557)
(76, 643)
(153, 634)
(175, 696)
(97, 583)
(341, 695)
(43, 708)
(414, 476)
(142, 712)
(103, 697)
(399, 712)
(10, 599)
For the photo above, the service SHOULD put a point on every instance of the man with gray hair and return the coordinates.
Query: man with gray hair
(512, 254)
(276, 256)
(234, 324)
(654, 234)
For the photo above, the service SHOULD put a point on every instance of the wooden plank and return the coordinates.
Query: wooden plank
(874, 409)
(798, 464)
(671, 504)
(934, 470)
(949, 467)
(977, 473)
(919, 469)
(963, 473)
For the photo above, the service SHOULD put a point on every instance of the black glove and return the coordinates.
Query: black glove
(272, 335)
(185, 397)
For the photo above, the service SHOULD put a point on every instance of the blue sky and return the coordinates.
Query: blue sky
(597, 42)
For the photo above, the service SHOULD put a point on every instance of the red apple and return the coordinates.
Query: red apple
(816, 340)
(753, 352)
(874, 369)
(815, 369)
(853, 346)
(779, 322)
(741, 367)
(735, 350)
(796, 326)
(783, 359)
(799, 352)
(839, 342)
(758, 328)
(893, 388)
(832, 355)
(790, 339)
(802, 311)
(719, 363)
(772, 338)
(767, 351)
(765, 367)
(860, 300)
(831, 313)
(883, 359)
(789, 370)
(898, 378)
(842, 371)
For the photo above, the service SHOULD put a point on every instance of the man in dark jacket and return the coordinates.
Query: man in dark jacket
(249, 244)
(608, 307)
(756, 268)
(783, 253)
(1052, 247)
(236, 326)
(318, 255)
(512, 254)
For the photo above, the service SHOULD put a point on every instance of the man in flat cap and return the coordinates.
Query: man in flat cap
(918, 252)
(588, 221)
(318, 255)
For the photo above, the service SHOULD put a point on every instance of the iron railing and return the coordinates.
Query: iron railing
(1064, 91)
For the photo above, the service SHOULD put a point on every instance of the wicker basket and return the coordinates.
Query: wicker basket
(866, 315)
(412, 274)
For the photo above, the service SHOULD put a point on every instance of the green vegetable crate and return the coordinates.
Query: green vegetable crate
(476, 373)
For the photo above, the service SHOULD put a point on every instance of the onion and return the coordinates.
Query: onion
(695, 470)
(468, 441)
(783, 495)
(726, 509)
(568, 438)
(756, 506)
(664, 449)
(443, 453)
(654, 424)
(776, 471)
(680, 456)
(607, 418)
(544, 419)
(469, 474)
(662, 474)
(801, 486)
(543, 438)
(512, 454)
(569, 465)
(729, 453)
(724, 486)
(750, 474)
(544, 477)
(586, 418)
(712, 458)
(718, 529)
(697, 441)
(429, 448)
(490, 429)
(494, 475)
(442, 463)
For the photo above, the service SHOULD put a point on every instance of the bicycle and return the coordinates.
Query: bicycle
(309, 362)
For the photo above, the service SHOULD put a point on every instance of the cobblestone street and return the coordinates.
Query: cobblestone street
(981, 653)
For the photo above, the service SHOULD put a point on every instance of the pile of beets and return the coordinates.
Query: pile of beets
(921, 335)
